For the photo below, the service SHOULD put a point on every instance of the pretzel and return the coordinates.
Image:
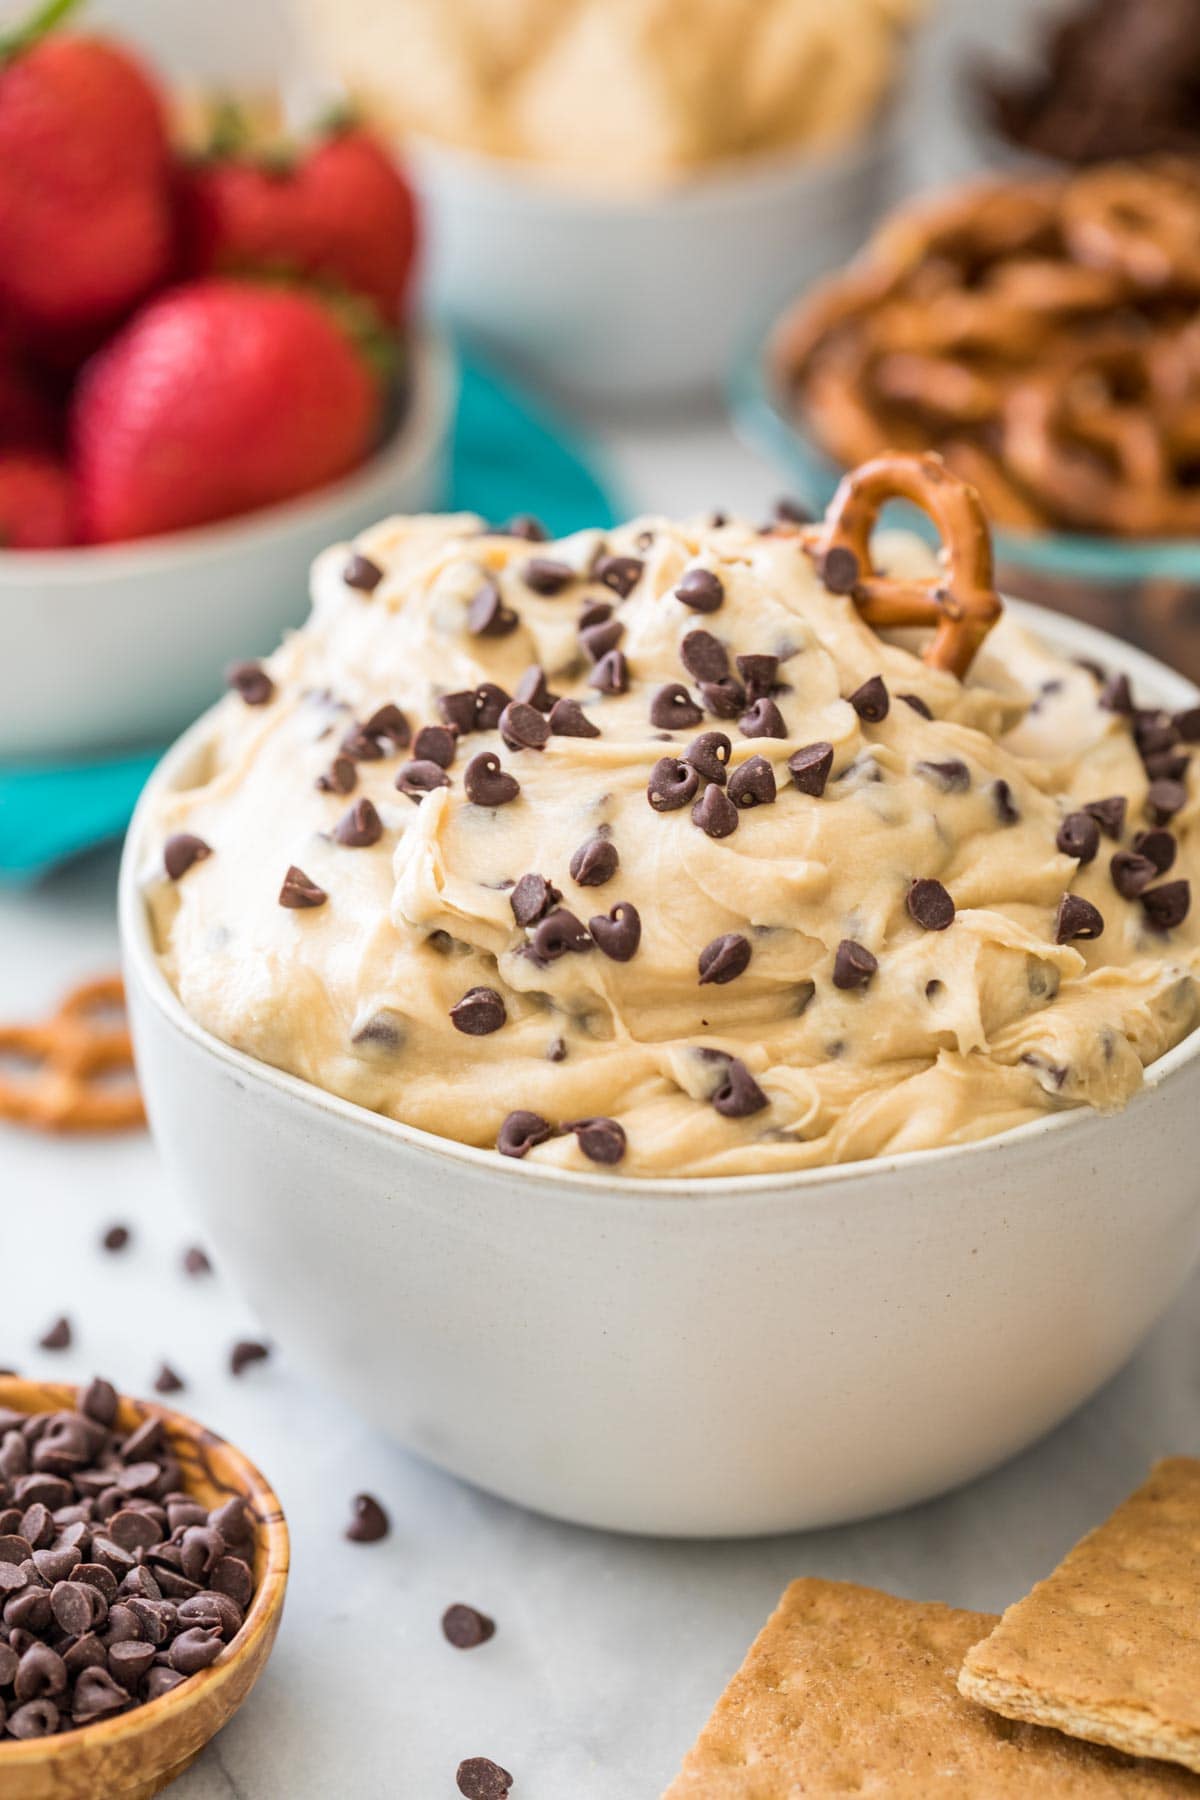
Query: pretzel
(1114, 218)
(70, 1053)
(962, 605)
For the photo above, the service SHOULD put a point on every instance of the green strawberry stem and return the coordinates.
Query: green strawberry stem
(43, 20)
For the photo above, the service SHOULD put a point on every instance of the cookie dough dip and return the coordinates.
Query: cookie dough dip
(686, 849)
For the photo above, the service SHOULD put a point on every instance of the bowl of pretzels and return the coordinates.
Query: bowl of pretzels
(1042, 334)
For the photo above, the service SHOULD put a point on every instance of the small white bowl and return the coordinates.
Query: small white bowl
(691, 1357)
(121, 644)
(638, 296)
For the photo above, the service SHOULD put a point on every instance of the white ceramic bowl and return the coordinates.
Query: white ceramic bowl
(641, 296)
(703, 1357)
(123, 643)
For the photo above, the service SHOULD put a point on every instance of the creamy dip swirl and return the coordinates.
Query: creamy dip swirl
(843, 1017)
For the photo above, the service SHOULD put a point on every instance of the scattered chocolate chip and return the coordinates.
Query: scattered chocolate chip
(360, 746)
(727, 957)
(1116, 696)
(58, 1337)
(532, 898)
(715, 813)
(672, 784)
(435, 744)
(544, 575)
(738, 1095)
(559, 932)
(368, 1522)
(532, 690)
(490, 702)
(1167, 765)
(1164, 798)
(838, 569)
(361, 573)
(918, 705)
(360, 827)
(1167, 905)
(466, 1628)
(763, 719)
(853, 965)
(556, 1050)
(196, 1261)
(753, 784)
(930, 905)
(479, 1778)
(709, 756)
(1076, 918)
(871, 701)
(951, 777)
(611, 674)
(486, 783)
(389, 723)
(1187, 724)
(601, 1140)
(759, 672)
(809, 768)
(181, 851)
(523, 727)
(115, 1238)
(339, 778)
(480, 1012)
(595, 862)
(568, 719)
(167, 1381)
(701, 590)
(487, 615)
(251, 681)
(619, 933)
(457, 710)
(673, 709)
(525, 526)
(1004, 804)
(724, 697)
(792, 512)
(299, 891)
(1079, 836)
(1152, 732)
(600, 638)
(521, 1131)
(594, 612)
(245, 1352)
(418, 778)
(1109, 814)
(704, 656)
(620, 573)
(1157, 846)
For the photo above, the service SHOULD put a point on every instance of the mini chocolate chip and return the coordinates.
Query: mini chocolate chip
(559, 932)
(479, 1778)
(1167, 765)
(556, 1050)
(727, 957)
(361, 573)
(704, 656)
(738, 1095)
(1116, 696)
(1109, 814)
(600, 638)
(466, 1628)
(1152, 732)
(416, 779)
(1076, 918)
(387, 721)
(480, 1012)
(526, 527)
(1006, 807)
(521, 1131)
(1079, 836)
(1187, 724)
(724, 697)
(1164, 798)
(115, 1238)
(340, 777)
(487, 615)
(809, 768)
(673, 709)
(792, 512)
(546, 576)
(715, 813)
(709, 755)
(918, 705)
(753, 784)
(435, 744)
(620, 573)
(532, 898)
(871, 701)
(458, 710)
(58, 1337)
(251, 681)
(181, 851)
(601, 1140)
(196, 1261)
(568, 719)
(595, 862)
(360, 827)
(611, 674)
(1158, 846)
(930, 905)
(532, 689)
(619, 934)
(97, 1696)
(672, 784)
(759, 671)
(838, 569)
(701, 590)
(951, 777)
(299, 892)
(853, 965)
(245, 1352)
(593, 612)
(763, 719)
(368, 1523)
(1167, 905)
(167, 1381)
(486, 783)
(490, 702)
(195, 1649)
(523, 727)
(360, 746)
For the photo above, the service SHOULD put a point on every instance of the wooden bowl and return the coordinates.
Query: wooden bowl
(139, 1753)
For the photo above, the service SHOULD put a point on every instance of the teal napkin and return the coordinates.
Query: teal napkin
(511, 454)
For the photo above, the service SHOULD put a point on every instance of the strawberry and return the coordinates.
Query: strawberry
(37, 502)
(341, 213)
(85, 185)
(219, 396)
(28, 418)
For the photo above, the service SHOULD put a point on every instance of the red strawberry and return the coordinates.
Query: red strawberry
(28, 417)
(37, 502)
(342, 213)
(85, 220)
(218, 397)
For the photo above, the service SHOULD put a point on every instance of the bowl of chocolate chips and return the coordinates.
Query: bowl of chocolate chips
(143, 1562)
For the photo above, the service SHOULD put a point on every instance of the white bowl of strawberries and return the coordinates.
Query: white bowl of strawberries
(206, 376)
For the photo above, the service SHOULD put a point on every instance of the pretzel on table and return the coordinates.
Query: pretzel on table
(70, 1057)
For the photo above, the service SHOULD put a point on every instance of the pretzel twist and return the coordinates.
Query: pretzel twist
(70, 1055)
(961, 604)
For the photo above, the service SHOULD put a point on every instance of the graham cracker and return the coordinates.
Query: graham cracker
(1108, 1646)
(850, 1691)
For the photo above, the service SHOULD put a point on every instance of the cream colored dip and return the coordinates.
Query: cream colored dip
(960, 1032)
